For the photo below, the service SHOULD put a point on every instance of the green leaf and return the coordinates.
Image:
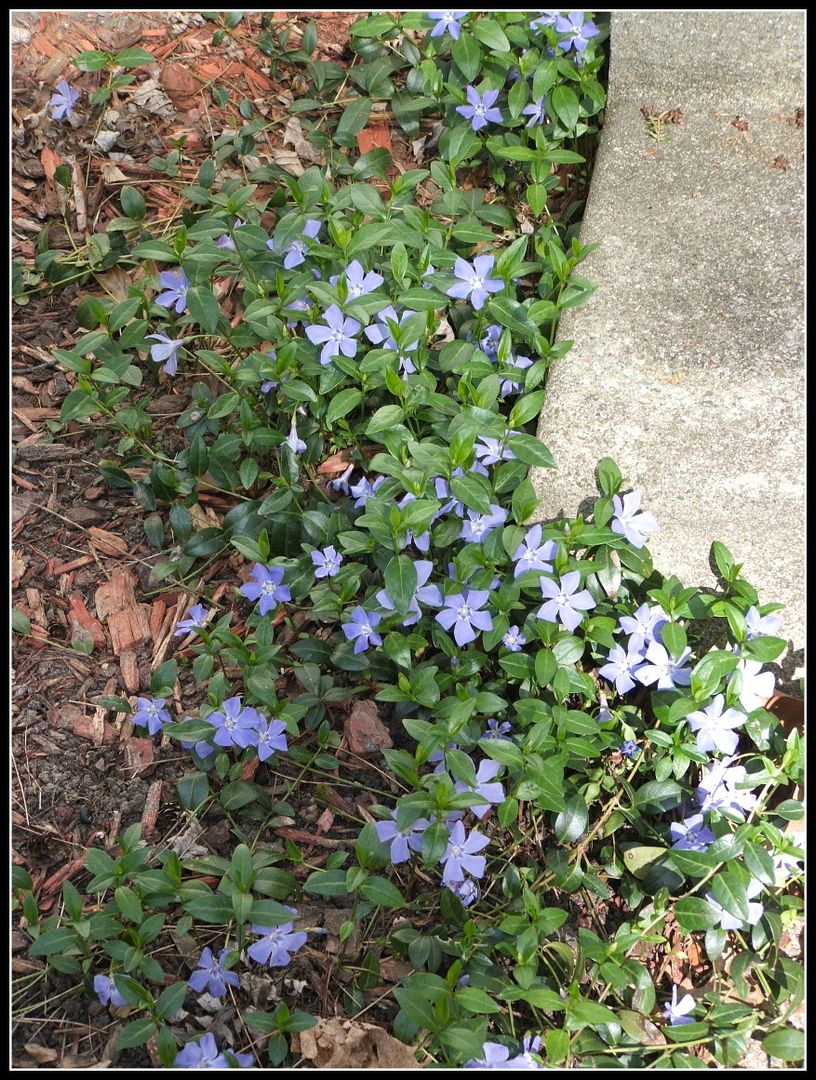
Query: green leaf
(786, 1044)
(664, 795)
(490, 34)
(729, 892)
(473, 490)
(203, 307)
(564, 104)
(524, 502)
(136, 1034)
(532, 452)
(193, 789)
(707, 675)
(128, 904)
(92, 60)
(694, 913)
(341, 405)
(326, 883)
(590, 1012)
(382, 892)
(401, 582)
(573, 819)
(131, 58)
(20, 622)
(386, 417)
(467, 56)
(352, 122)
(171, 1000)
(474, 1000)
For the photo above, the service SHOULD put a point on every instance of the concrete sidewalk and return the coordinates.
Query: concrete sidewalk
(688, 364)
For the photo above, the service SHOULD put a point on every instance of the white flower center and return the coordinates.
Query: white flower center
(269, 588)
(456, 851)
(479, 110)
(365, 629)
(464, 612)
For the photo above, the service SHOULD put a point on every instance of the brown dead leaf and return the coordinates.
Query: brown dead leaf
(293, 136)
(180, 86)
(373, 136)
(289, 160)
(324, 822)
(50, 163)
(365, 732)
(19, 562)
(335, 465)
(350, 1044)
(43, 1055)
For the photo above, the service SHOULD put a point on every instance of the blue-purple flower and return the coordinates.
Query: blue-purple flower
(226, 240)
(715, 728)
(298, 250)
(728, 921)
(461, 856)
(403, 841)
(211, 975)
(475, 281)
(643, 627)
(677, 1012)
(165, 351)
(340, 484)
(620, 667)
(196, 620)
(235, 724)
(478, 526)
(480, 109)
(663, 670)
(514, 639)
(464, 613)
(266, 584)
(691, 834)
(758, 625)
(447, 20)
(336, 337)
(512, 386)
(361, 629)
(380, 333)
(327, 562)
(546, 18)
(531, 554)
(293, 440)
(756, 685)
(271, 736)
(151, 714)
(631, 523)
(468, 892)
(105, 990)
(63, 102)
(276, 944)
(203, 1054)
(629, 748)
(491, 451)
(578, 30)
(495, 730)
(363, 490)
(721, 788)
(358, 282)
(537, 112)
(562, 602)
(493, 792)
(175, 284)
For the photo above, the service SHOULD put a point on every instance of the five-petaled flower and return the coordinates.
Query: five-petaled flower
(512, 386)
(297, 251)
(467, 891)
(497, 1056)
(327, 562)
(714, 728)
(578, 30)
(691, 834)
(151, 714)
(226, 240)
(361, 629)
(643, 627)
(203, 1054)
(537, 112)
(630, 521)
(481, 108)
(336, 337)
(463, 612)
(63, 102)
(531, 554)
(235, 724)
(165, 351)
(493, 792)
(759, 625)
(514, 639)
(265, 584)
(620, 667)
(358, 282)
(478, 526)
(756, 685)
(277, 943)
(447, 20)
(403, 841)
(475, 281)
(271, 736)
(721, 788)
(196, 619)
(211, 975)
(662, 669)
(461, 856)
(175, 284)
(677, 1012)
(562, 602)
(105, 990)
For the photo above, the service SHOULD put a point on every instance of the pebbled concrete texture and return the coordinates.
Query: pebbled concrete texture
(688, 363)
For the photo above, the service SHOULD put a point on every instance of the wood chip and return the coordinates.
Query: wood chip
(129, 667)
(81, 619)
(128, 629)
(151, 809)
(19, 562)
(139, 754)
(365, 732)
(107, 542)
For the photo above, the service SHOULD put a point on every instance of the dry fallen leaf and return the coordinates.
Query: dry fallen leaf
(293, 136)
(349, 1044)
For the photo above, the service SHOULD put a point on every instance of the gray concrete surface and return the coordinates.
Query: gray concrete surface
(688, 363)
